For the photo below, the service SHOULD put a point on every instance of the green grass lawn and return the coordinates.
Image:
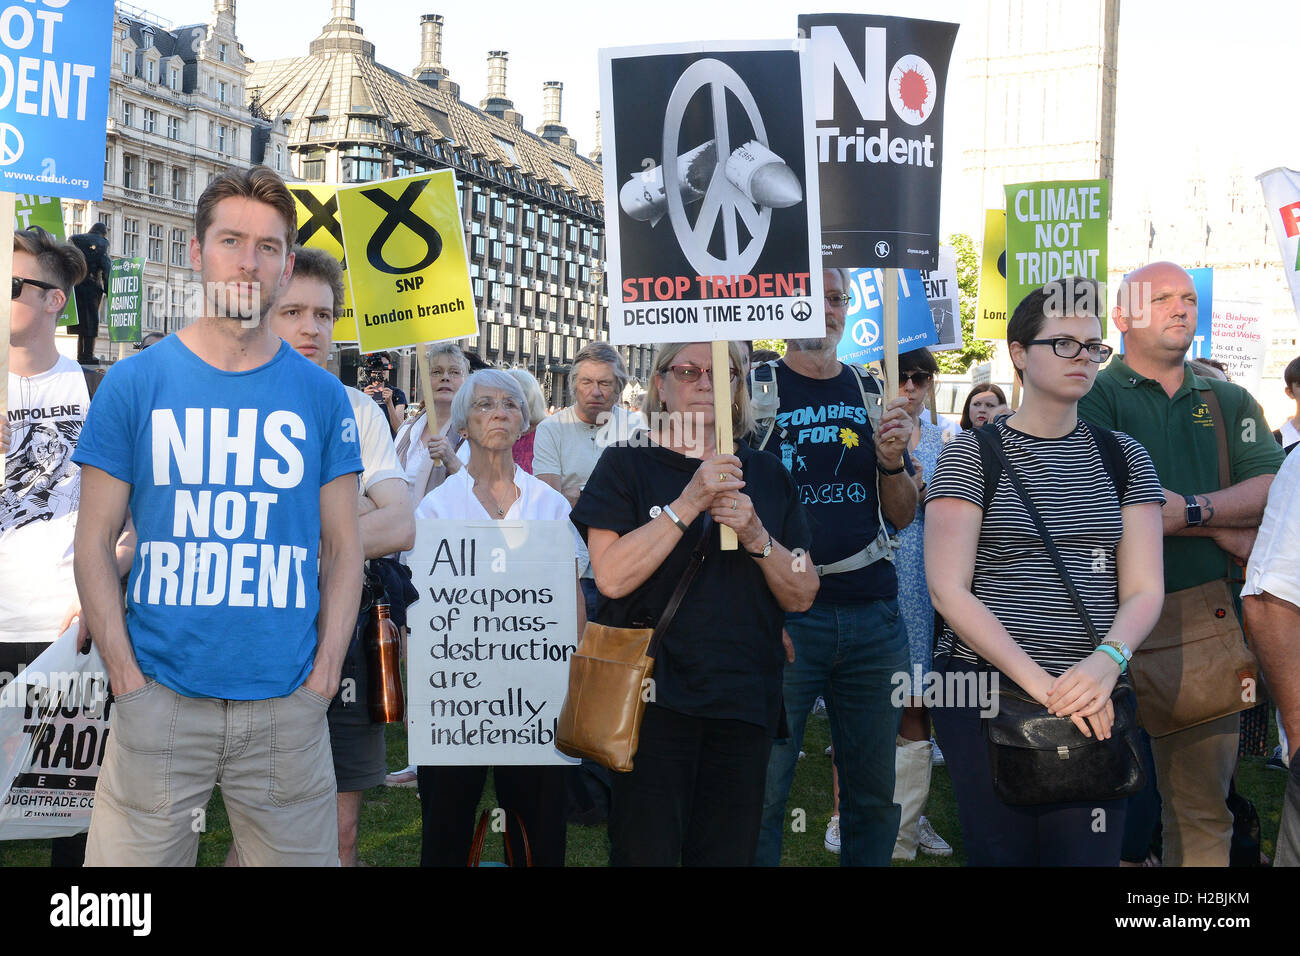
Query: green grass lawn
(390, 818)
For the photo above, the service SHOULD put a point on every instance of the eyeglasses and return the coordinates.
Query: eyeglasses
(837, 298)
(1069, 348)
(917, 377)
(18, 285)
(690, 374)
(489, 405)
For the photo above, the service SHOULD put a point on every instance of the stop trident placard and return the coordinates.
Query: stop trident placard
(407, 268)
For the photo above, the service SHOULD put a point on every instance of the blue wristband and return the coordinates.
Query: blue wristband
(1114, 655)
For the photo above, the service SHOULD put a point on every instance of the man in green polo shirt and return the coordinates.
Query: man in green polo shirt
(1152, 394)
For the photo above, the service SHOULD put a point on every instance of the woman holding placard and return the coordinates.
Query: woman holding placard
(695, 794)
(429, 458)
(491, 412)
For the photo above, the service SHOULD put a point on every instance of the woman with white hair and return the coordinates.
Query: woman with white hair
(429, 458)
(491, 412)
(536, 405)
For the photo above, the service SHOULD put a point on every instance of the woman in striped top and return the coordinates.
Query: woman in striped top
(991, 578)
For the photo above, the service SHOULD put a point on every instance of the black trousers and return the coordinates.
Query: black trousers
(694, 795)
(87, 324)
(449, 796)
(69, 851)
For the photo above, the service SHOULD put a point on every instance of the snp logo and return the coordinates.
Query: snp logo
(75, 909)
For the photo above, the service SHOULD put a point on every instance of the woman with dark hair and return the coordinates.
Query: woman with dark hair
(913, 755)
(695, 793)
(985, 402)
(1005, 605)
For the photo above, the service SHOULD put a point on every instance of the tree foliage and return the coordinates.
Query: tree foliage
(968, 281)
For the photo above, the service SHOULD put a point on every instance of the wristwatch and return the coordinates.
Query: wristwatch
(1193, 511)
(890, 471)
(1121, 647)
(767, 549)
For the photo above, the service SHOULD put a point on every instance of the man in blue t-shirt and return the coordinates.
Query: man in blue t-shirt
(238, 460)
(851, 643)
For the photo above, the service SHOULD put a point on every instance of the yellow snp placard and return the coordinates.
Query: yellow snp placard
(991, 307)
(408, 270)
(319, 227)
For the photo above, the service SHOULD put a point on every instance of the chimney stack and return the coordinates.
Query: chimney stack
(344, 10)
(551, 130)
(598, 153)
(430, 48)
(496, 103)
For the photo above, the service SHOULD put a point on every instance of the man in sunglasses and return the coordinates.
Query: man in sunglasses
(1151, 393)
(852, 480)
(48, 398)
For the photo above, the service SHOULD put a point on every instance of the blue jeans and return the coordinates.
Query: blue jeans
(849, 654)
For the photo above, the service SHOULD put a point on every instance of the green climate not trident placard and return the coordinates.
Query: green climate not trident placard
(1056, 229)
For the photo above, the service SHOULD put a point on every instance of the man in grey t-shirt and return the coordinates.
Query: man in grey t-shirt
(568, 444)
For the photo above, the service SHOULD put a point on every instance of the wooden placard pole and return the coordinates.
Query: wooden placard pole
(722, 421)
(1015, 391)
(930, 403)
(426, 386)
(6, 272)
(890, 300)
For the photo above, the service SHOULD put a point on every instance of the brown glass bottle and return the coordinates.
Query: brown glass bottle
(383, 652)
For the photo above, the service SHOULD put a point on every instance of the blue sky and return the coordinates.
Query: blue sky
(1198, 89)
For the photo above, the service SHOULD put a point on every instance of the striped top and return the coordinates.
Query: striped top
(1014, 576)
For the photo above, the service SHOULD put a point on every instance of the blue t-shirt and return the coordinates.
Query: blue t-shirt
(225, 471)
(824, 438)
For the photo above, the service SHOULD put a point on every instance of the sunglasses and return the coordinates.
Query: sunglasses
(690, 374)
(17, 288)
(916, 377)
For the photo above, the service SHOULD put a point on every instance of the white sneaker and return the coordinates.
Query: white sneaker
(936, 755)
(405, 777)
(927, 841)
(802, 754)
(819, 707)
(833, 835)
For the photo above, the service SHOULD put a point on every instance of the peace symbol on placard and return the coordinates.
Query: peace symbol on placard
(9, 151)
(801, 311)
(721, 198)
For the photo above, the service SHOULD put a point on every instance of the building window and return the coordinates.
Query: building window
(478, 290)
(178, 183)
(155, 242)
(363, 164)
(150, 120)
(221, 139)
(129, 171)
(279, 158)
(555, 228)
(480, 247)
(510, 256)
(545, 226)
(480, 203)
(174, 78)
(316, 128)
(530, 221)
(511, 214)
(313, 166)
(128, 113)
(507, 295)
(221, 52)
(149, 70)
(530, 259)
(173, 127)
(130, 237)
(498, 209)
(126, 62)
(359, 126)
(496, 252)
(178, 247)
(154, 185)
(108, 164)
(555, 268)
(221, 91)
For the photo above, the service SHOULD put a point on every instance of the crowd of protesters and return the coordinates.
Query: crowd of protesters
(877, 551)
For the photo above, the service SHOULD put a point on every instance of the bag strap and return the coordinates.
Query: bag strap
(674, 602)
(523, 837)
(1225, 461)
(989, 433)
(1220, 435)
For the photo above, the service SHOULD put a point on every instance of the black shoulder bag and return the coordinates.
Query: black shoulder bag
(1037, 758)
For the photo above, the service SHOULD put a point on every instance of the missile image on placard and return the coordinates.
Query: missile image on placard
(757, 172)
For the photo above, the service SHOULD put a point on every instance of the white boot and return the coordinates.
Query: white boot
(911, 787)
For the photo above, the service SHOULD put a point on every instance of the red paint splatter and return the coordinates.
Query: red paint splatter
(913, 91)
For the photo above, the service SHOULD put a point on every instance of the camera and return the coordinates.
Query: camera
(375, 372)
